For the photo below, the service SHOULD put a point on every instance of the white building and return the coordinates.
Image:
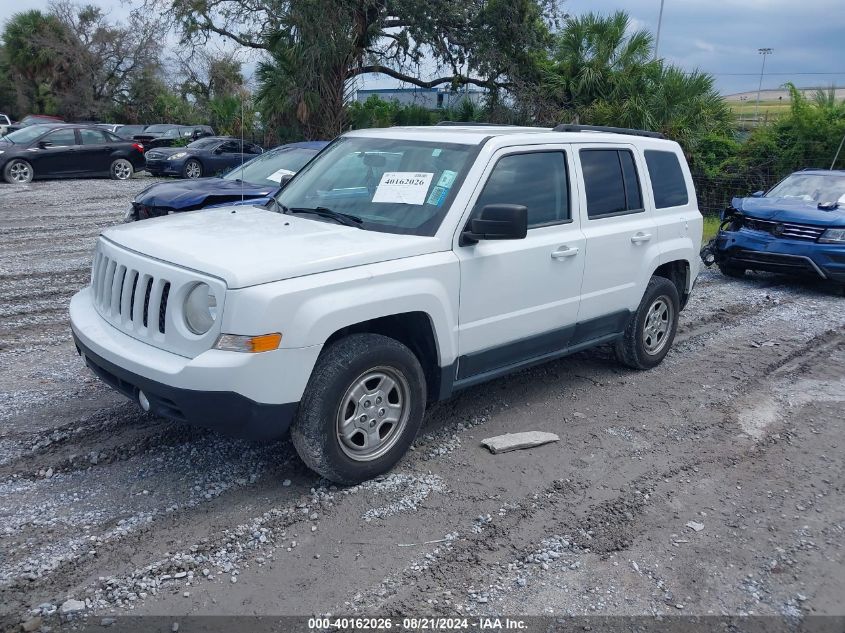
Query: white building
(430, 98)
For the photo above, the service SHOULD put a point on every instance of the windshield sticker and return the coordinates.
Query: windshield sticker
(436, 152)
(276, 176)
(447, 178)
(437, 196)
(406, 187)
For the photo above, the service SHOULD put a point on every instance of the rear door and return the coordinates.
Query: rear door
(519, 298)
(621, 236)
(94, 152)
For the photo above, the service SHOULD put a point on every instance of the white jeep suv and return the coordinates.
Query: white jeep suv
(399, 266)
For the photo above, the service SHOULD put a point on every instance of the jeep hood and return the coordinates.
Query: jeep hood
(192, 193)
(789, 210)
(247, 245)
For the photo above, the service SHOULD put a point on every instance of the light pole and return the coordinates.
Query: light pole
(659, 24)
(765, 52)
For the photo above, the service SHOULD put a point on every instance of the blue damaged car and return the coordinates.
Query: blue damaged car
(798, 227)
(253, 183)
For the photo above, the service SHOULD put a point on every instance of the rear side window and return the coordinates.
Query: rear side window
(535, 180)
(667, 179)
(91, 137)
(611, 182)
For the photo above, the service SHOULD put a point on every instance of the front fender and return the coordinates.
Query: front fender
(308, 310)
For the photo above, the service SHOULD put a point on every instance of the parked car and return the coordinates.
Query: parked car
(165, 135)
(110, 127)
(254, 183)
(207, 156)
(35, 119)
(67, 151)
(5, 124)
(797, 227)
(381, 284)
(129, 131)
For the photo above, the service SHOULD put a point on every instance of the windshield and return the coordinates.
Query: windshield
(26, 134)
(393, 185)
(811, 187)
(203, 142)
(269, 168)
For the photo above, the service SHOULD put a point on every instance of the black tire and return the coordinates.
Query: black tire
(642, 348)
(732, 271)
(18, 172)
(316, 429)
(192, 169)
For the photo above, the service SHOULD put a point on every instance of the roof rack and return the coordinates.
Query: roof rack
(572, 127)
(473, 124)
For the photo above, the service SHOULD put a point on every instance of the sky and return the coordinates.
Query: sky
(717, 36)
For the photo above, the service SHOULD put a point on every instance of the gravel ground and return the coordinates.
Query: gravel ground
(713, 484)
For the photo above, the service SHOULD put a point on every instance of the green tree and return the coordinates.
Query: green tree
(314, 48)
(32, 66)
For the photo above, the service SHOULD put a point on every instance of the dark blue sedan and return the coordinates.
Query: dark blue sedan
(207, 156)
(797, 228)
(254, 183)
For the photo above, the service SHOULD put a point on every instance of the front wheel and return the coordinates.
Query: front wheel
(18, 172)
(361, 410)
(192, 169)
(650, 332)
(121, 169)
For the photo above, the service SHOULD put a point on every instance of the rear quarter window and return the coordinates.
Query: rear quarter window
(667, 179)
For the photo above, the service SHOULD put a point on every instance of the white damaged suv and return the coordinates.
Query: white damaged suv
(399, 266)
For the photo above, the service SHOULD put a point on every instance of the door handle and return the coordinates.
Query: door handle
(640, 237)
(564, 252)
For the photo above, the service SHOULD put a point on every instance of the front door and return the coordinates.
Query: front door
(58, 156)
(519, 298)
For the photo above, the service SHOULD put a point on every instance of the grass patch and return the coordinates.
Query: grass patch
(711, 227)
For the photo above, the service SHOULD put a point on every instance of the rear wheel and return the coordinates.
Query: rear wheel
(121, 169)
(361, 410)
(650, 332)
(192, 169)
(18, 171)
(732, 271)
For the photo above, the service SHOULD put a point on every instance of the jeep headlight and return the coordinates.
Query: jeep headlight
(833, 236)
(177, 156)
(200, 309)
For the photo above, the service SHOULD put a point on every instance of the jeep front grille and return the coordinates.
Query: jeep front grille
(143, 297)
(784, 229)
(128, 296)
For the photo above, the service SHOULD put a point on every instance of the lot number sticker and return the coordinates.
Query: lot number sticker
(406, 187)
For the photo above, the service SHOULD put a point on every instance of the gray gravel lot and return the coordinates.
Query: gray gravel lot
(739, 433)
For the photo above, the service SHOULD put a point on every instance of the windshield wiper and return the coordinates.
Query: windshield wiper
(346, 219)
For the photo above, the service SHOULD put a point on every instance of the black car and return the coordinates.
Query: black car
(67, 151)
(208, 156)
(128, 132)
(166, 134)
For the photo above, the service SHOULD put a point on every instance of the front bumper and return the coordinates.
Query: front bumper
(758, 250)
(164, 167)
(243, 395)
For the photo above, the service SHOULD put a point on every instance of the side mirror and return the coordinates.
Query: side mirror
(218, 150)
(44, 144)
(758, 194)
(497, 222)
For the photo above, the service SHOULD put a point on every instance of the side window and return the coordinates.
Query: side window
(60, 138)
(249, 148)
(667, 179)
(537, 180)
(230, 147)
(611, 182)
(91, 137)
